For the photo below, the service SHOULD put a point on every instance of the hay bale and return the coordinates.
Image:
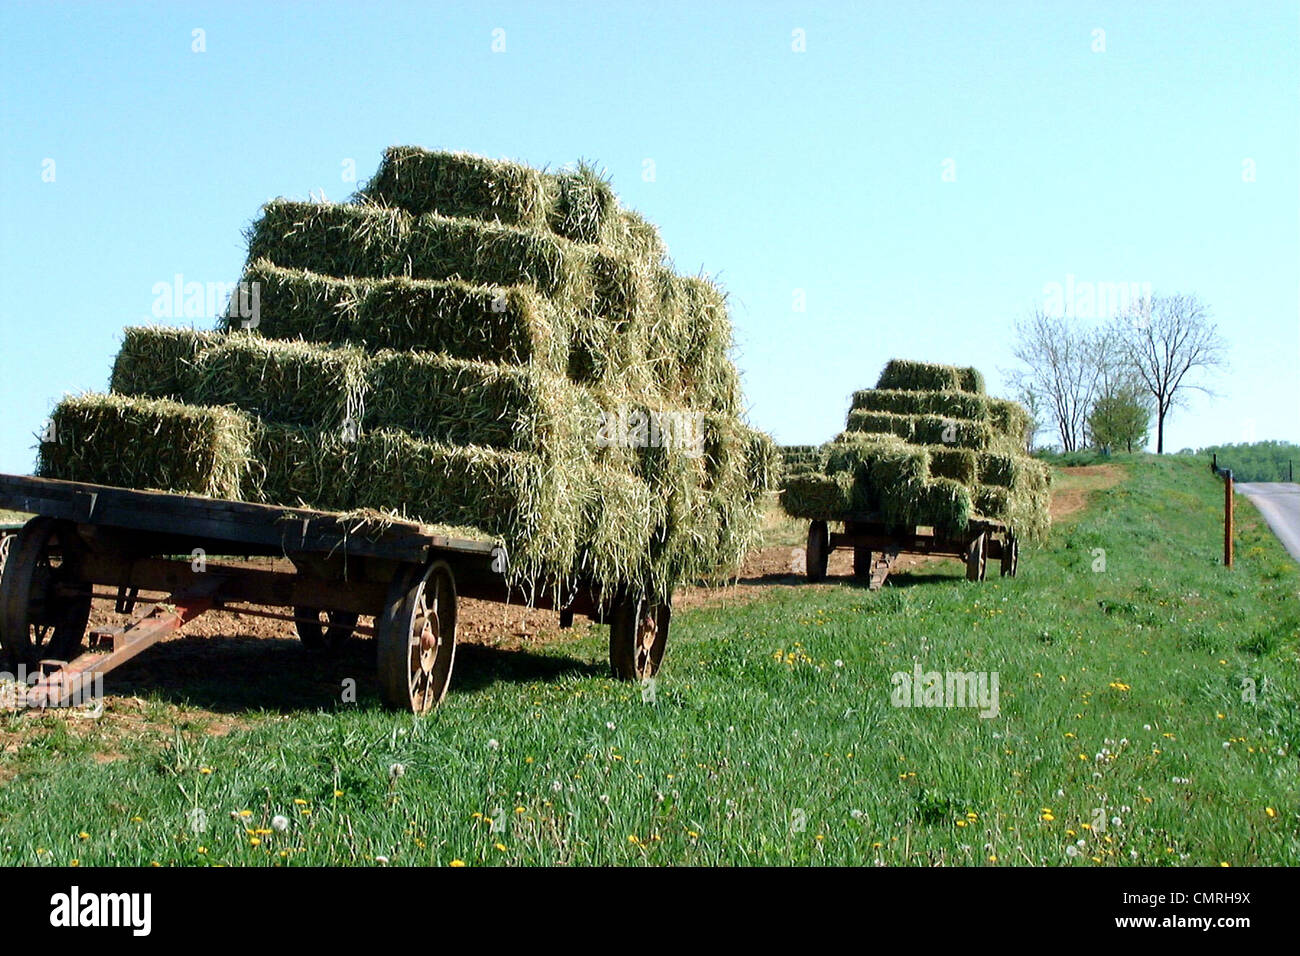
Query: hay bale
(459, 185)
(923, 429)
(509, 324)
(289, 383)
(302, 466)
(1010, 419)
(516, 496)
(459, 402)
(947, 404)
(818, 497)
(158, 362)
(148, 443)
(941, 503)
(928, 377)
(332, 238)
(577, 204)
(959, 464)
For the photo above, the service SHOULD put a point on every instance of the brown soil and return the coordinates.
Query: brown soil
(1077, 484)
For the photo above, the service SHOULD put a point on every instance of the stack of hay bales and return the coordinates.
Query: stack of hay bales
(926, 447)
(468, 343)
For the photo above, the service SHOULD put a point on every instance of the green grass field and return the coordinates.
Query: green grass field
(1147, 715)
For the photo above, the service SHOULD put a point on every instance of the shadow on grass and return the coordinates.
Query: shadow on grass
(231, 674)
(899, 579)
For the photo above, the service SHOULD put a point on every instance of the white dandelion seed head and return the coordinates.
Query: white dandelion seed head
(1116, 822)
(557, 786)
(1146, 726)
(856, 814)
(279, 822)
(1071, 851)
(838, 662)
(396, 770)
(493, 744)
(609, 725)
(604, 798)
(382, 860)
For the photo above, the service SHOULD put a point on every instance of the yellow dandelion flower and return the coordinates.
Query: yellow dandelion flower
(500, 846)
(205, 770)
(84, 835)
(299, 802)
(1270, 811)
(456, 863)
(254, 841)
(245, 813)
(74, 863)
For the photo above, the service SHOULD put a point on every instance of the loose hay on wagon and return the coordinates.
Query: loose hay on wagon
(492, 365)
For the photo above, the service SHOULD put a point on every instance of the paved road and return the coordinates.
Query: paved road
(1279, 503)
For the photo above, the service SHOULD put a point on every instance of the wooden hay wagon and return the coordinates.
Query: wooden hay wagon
(876, 546)
(407, 575)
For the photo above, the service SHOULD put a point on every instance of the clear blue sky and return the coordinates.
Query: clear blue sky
(775, 170)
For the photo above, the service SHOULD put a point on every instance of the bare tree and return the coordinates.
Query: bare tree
(1064, 367)
(1169, 343)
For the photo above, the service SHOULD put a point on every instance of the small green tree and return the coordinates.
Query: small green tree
(1121, 419)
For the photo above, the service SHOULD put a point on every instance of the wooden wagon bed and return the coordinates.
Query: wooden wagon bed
(877, 545)
(407, 575)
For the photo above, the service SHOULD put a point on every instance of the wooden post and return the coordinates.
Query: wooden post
(1227, 519)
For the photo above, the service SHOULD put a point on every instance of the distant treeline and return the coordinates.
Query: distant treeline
(1254, 461)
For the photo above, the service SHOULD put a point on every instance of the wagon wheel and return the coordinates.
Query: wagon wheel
(638, 637)
(416, 635)
(818, 552)
(329, 633)
(862, 562)
(43, 606)
(976, 558)
(1010, 556)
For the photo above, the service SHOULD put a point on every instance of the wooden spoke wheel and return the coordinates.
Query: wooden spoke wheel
(862, 562)
(416, 635)
(1010, 556)
(818, 552)
(976, 558)
(323, 630)
(638, 637)
(43, 604)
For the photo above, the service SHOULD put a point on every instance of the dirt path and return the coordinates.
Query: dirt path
(1074, 486)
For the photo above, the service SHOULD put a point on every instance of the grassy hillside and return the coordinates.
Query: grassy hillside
(1125, 733)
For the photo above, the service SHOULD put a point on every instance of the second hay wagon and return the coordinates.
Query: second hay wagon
(876, 546)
